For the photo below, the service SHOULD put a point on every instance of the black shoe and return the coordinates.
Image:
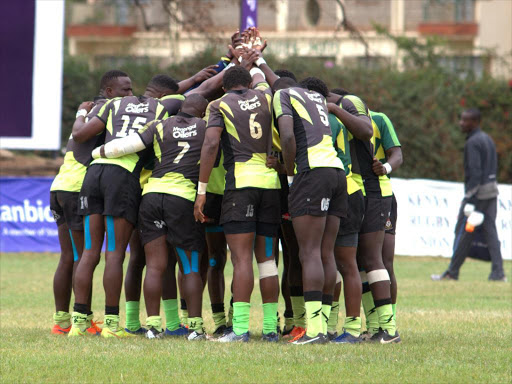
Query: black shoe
(502, 279)
(383, 337)
(287, 331)
(318, 339)
(153, 333)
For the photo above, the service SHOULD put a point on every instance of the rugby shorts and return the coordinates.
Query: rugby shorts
(391, 222)
(351, 225)
(162, 214)
(319, 192)
(251, 210)
(376, 214)
(110, 190)
(64, 206)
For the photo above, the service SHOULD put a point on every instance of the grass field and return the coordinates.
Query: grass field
(451, 332)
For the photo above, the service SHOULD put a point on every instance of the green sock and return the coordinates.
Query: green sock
(195, 324)
(288, 323)
(154, 322)
(112, 322)
(394, 310)
(269, 318)
(326, 313)
(372, 318)
(387, 319)
(333, 317)
(229, 322)
(79, 320)
(184, 317)
(89, 320)
(352, 325)
(314, 318)
(172, 317)
(219, 319)
(132, 315)
(299, 311)
(62, 319)
(241, 317)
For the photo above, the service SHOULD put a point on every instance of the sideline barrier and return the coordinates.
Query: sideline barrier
(427, 213)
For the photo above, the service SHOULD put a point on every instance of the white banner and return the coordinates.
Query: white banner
(427, 214)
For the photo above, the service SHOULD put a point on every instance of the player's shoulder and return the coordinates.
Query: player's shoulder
(172, 97)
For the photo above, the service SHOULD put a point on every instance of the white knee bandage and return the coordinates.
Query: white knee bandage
(378, 275)
(338, 277)
(267, 269)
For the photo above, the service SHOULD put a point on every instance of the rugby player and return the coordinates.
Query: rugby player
(387, 150)
(354, 114)
(109, 202)
(317, 196)
(242, 121)
(64, 202)
(166, 210)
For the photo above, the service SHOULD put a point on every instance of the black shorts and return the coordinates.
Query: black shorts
(167, 215)
(351, 225)
(376, 214)
(213, 208)
(391, 222)
(319, 192)
(250, 205)
(64, 206)
(110, 190)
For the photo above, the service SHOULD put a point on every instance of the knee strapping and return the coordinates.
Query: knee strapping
(87, 233)
(267, 269)
(269, 246)
(111, 234)
(75, 252)
(378, 275)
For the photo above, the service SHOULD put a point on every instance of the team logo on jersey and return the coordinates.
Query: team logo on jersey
(249, 105)
(159, 224)
(137, 108)
(56, 216)
(250, 211)
(324, 204)
(83, 202)
(314, 96)
(183, 133)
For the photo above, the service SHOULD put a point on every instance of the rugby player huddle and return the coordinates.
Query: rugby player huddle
(237, 154)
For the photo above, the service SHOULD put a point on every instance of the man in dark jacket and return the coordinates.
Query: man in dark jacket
(481, 191)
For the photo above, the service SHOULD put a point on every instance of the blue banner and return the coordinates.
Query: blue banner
(26, 222)
(248, 14)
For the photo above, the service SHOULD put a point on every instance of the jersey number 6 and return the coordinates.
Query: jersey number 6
(255, 127)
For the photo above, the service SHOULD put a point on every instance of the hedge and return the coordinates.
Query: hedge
(424, 104)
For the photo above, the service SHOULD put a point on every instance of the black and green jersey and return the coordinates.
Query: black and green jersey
(246, 119)
(217, 181)
(177, 143)
(310, 126)
(78, 157)
(124, 116)
(384, 138)
(340, 140)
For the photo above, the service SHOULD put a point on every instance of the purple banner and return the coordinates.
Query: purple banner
(248, 14)
(26, 222)
(16, 68)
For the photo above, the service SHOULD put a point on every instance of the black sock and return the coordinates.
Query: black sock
(80, 308)
(114, 310)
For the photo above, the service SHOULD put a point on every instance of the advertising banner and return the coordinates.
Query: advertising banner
(427, 214)
(248, 14)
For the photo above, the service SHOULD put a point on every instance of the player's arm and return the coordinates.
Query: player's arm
(83, 132)
(288, 145)
(203, 75)
(208, 156)
(391, 146)
(81, 114)
(130, 144)
(360, 126)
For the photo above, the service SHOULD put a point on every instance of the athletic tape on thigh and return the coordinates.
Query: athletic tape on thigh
(338, 277)
(87, 233)
(267, 269)
(75, 252)
(195, 261)
(269, 246)
(213, 262)
(184, 260)
(378, 275)
(111, 234)
(214, 229)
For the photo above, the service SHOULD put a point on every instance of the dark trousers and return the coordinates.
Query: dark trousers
(463, 239)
